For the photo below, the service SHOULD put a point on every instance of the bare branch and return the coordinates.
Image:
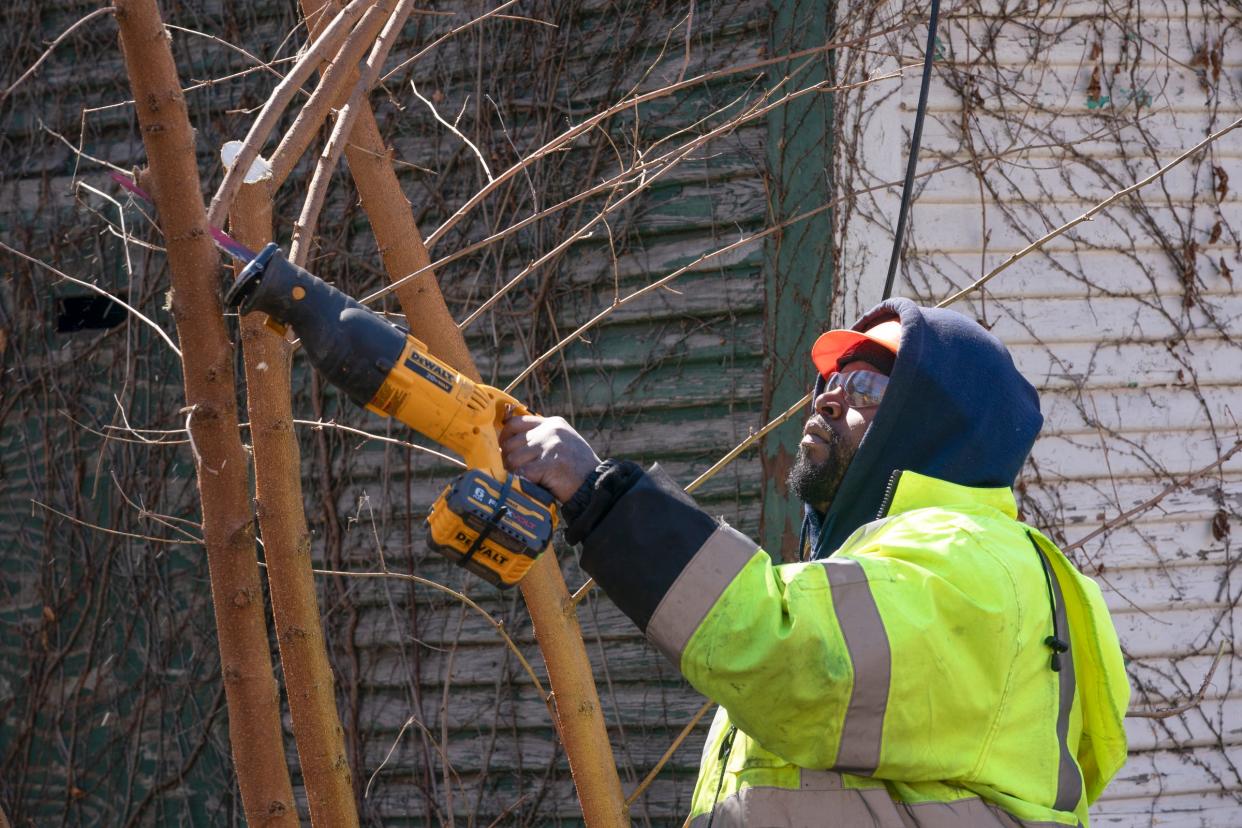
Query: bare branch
(150, 323)
(1193, 701)
(276, 103)
(668, 754)
(330, 92)
(629, 103)
(669, 162)
(305, 228)
(52, 47)
(1087, 216)
(1130, 514)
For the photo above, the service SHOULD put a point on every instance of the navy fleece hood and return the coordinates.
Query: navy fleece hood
(956, 409)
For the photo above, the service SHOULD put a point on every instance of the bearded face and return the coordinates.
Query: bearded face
(822, 460)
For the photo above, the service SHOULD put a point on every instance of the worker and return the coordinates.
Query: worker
(931, 661)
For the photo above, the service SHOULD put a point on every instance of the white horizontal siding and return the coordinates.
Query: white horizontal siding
(1134, 351)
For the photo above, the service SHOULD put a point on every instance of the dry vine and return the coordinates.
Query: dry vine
(598, 198)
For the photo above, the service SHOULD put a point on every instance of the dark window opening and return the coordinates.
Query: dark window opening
(84, 313)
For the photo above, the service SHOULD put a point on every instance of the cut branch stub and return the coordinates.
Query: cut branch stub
(324, 46)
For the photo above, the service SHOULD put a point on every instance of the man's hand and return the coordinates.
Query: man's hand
(547, 451)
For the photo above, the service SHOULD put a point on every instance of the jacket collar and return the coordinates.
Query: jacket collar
(918, 491)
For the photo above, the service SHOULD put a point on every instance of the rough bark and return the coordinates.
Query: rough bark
(286, 544)
(210, 388)
(580, 717)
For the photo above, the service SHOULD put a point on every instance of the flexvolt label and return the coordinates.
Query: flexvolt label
(429, 371)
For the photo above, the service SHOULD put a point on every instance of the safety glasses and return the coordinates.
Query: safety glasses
(861, 389)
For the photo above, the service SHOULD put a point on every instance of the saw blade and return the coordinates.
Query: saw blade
(222, 239)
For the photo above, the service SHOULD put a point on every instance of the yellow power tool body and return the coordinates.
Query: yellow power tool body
(488, 520)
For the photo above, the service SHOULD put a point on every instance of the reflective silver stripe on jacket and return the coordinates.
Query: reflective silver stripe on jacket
(696, 590)
(870, 655)
(1069, 779)
(823, 802)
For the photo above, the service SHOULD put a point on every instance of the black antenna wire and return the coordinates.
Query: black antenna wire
(915, 139)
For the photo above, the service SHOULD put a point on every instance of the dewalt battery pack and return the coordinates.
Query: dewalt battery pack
(494, 529)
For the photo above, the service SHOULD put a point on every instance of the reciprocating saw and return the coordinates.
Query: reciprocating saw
(490, 521)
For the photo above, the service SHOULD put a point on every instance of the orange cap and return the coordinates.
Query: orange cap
(831, 345)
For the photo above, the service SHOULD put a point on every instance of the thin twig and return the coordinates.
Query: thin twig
(1129, 515)
(498, 626)
(393, 749)
(451, 33)
(453, 129)
(78, 152)
(120, 212)
(163, 520)
(52, 47)
(259, 62)
(1194, 701)
(380, 437)
(1087, 216)
(108, 531)
(668, 754)
(508, 810)
(747, 443)
(314, 424)
(241, 73)
(100, 291)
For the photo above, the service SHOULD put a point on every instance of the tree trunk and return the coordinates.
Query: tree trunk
(286, 544)
(580, 717)
(210, 389)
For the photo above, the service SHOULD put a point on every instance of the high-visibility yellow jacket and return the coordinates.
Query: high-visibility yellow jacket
(946, 667)
(906, 680)
(904, 675)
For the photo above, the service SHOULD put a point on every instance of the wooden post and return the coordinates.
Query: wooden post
(211, 417)
(309, 683)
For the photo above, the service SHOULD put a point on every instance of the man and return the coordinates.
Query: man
(932, 661)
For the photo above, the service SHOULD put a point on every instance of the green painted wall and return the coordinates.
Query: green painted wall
(798, 264)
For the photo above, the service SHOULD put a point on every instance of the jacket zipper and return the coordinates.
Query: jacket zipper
(889, 491)
(722, 757)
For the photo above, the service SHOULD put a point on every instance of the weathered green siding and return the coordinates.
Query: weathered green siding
(131, 726)
(798, 266)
